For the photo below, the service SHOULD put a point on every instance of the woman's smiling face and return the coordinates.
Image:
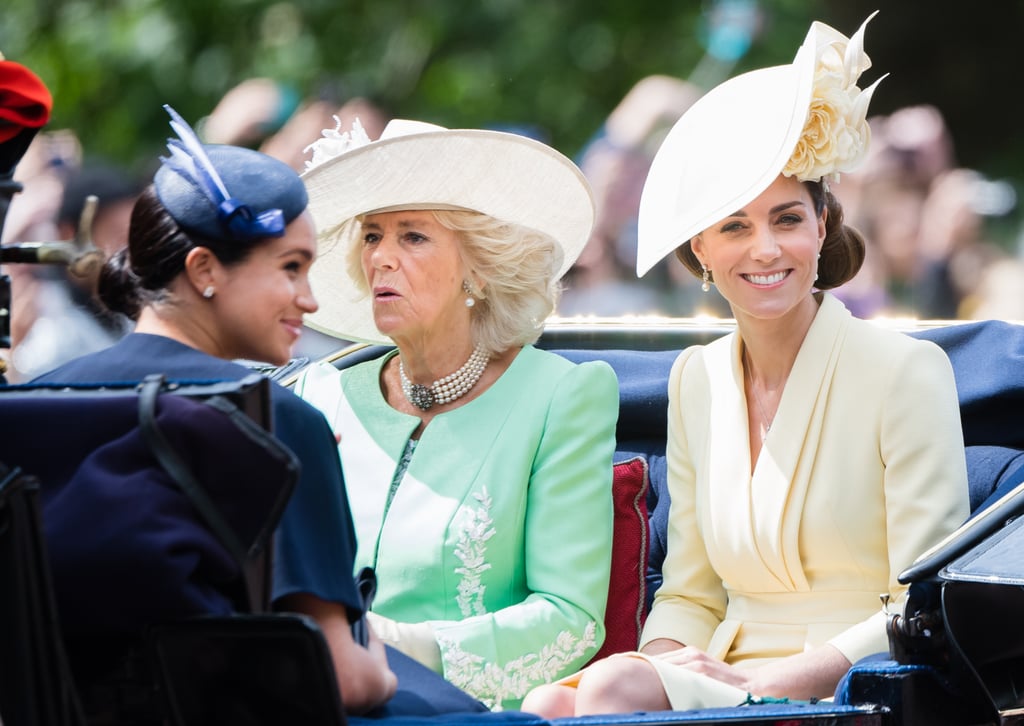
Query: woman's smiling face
(260, 303)
(764, 257)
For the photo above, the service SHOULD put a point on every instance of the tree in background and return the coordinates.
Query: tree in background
(557, 65)
(554, 68)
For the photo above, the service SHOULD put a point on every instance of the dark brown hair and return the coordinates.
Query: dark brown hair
(140, 273)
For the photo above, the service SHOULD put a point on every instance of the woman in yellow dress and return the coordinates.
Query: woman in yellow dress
(811, 455)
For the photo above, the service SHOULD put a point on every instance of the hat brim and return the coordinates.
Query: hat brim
(509, 177)
(722, 153)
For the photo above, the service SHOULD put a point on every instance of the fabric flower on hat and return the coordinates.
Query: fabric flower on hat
(335, 142)
(836, 134)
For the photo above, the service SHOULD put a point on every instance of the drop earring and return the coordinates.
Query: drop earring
(470, 300)
(705, 280)
(208, 292)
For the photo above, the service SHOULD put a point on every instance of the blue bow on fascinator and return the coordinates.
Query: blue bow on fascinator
(226, 192)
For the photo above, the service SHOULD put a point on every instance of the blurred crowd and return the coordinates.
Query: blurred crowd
(927, 220)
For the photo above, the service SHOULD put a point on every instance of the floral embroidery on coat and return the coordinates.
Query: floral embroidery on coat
(471, 549)
(493, 684)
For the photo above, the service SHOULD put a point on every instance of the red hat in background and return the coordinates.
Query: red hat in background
(25, 101)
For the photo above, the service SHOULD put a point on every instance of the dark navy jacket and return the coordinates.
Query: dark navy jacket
(315, 540)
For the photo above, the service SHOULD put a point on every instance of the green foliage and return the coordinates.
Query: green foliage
(558, 66)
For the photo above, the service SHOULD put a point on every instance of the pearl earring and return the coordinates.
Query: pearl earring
(208, 292)
(470, 300)
(705, 280)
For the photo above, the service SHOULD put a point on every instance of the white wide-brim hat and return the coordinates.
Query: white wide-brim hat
(416, 165)
(737, 138)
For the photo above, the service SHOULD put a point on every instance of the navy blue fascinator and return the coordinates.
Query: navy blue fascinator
(226, 192)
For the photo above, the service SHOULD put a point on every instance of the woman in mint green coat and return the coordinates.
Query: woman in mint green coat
(478, 467)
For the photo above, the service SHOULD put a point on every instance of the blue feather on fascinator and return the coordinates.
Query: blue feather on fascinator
(192, 161)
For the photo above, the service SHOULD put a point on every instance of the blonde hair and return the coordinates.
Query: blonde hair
(512, 271)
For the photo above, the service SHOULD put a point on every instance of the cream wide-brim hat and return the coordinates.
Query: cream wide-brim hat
(723, 152)
(415, 165)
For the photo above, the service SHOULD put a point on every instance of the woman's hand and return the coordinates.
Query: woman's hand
(416, 640)
(364, 677)
(811, 674)
(696, 660)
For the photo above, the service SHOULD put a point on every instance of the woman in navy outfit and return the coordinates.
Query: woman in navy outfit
(215, 270)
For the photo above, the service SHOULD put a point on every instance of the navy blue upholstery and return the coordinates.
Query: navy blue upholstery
(759, 714)
(991, 472)
(641, 431)
(988, 362)
(643, 390)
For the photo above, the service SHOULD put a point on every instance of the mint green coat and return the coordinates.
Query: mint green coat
(499, 533)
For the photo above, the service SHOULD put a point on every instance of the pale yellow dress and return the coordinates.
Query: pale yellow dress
(863, 470)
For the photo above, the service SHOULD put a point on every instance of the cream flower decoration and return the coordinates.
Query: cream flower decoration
(836, 135)
(335, 142)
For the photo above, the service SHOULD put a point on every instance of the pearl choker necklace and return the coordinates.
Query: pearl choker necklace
(447, 389)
